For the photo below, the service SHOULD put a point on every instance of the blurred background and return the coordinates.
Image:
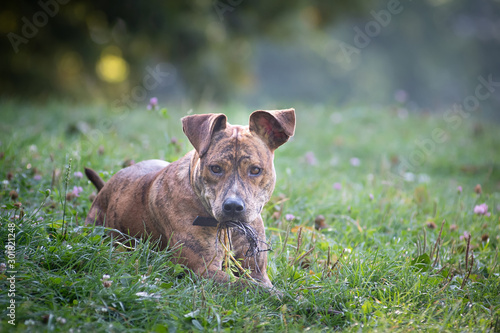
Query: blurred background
(420, 55)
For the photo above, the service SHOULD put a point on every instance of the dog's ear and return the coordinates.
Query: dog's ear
(275, 127)
(199, 129)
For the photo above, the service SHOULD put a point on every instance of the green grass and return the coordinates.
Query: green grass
(376, 267)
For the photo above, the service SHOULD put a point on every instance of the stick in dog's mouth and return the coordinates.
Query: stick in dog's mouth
(249, 233)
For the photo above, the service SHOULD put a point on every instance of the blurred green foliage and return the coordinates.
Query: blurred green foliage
(251, 51)
(59, 43)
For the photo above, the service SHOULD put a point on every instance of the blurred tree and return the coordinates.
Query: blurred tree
(217, 50)
(88, 49)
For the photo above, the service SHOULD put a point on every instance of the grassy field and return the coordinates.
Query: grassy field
(384, 181)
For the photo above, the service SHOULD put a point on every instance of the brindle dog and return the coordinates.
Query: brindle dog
(224, 182)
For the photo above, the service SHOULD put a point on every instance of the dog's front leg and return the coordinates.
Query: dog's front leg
(211, 266)
(208, 265)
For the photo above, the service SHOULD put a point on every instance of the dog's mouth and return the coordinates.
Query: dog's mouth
(246, 230)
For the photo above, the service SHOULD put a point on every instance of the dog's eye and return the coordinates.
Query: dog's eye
(216, 169)
(255, 171)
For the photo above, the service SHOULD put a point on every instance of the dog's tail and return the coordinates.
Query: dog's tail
(94, 178)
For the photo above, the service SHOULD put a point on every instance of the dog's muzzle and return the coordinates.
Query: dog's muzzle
(234, 208)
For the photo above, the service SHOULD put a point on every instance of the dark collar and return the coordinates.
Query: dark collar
(205, 221)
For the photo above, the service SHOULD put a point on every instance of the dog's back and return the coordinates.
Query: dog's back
(104, 210)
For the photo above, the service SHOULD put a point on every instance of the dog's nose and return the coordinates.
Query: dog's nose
(233, 206)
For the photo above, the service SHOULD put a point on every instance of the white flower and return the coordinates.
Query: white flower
(105, 281)
(355, 162)
(409, 177)
(311, 158)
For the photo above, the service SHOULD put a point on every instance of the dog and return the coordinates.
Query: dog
(223, 184)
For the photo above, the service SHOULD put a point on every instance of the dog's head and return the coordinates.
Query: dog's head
(233, 171)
